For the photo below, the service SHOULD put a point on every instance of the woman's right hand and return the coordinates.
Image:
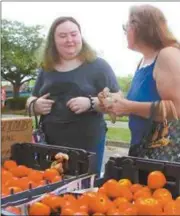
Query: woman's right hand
(43, 105)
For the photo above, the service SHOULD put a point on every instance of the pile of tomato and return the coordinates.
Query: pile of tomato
(112, 198)
(17, 178)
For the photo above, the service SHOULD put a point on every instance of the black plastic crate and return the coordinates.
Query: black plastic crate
(40, 157)
(137, 169)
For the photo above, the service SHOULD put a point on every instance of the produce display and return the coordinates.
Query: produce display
(114, 197)
(18, 178)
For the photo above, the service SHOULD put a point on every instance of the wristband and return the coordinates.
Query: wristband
(92, 104)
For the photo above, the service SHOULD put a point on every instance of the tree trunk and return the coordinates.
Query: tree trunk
(16, 89)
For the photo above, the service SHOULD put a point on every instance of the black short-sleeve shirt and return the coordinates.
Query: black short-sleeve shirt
(87, 79)
(62, 125)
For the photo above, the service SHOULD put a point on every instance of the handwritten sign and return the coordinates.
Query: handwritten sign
(14, 130)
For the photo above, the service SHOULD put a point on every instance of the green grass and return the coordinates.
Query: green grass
(123, 119)
(118, 134)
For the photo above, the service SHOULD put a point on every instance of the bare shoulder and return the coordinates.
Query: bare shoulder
(169, 54)
(168, 59)
(168, 49)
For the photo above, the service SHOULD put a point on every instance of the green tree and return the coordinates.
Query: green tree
(125, 82)
(19, 46)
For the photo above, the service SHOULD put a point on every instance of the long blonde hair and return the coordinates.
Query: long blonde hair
(51, 56)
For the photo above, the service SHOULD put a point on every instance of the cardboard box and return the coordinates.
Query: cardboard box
(14, 130)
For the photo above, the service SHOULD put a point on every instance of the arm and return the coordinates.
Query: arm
(167, 76)
(103, 76)
(43, 104)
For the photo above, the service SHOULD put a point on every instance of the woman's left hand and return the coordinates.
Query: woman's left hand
(119, 107)
(79, 104)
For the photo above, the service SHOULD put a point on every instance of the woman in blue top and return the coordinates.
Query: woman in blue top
(158, 74)
(67, 87)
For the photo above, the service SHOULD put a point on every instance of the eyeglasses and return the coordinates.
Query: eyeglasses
(125, 26)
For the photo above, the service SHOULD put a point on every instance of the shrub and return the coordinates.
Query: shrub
(16, 103)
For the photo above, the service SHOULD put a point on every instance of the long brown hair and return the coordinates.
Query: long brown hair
(51, 55)
(151, 27)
